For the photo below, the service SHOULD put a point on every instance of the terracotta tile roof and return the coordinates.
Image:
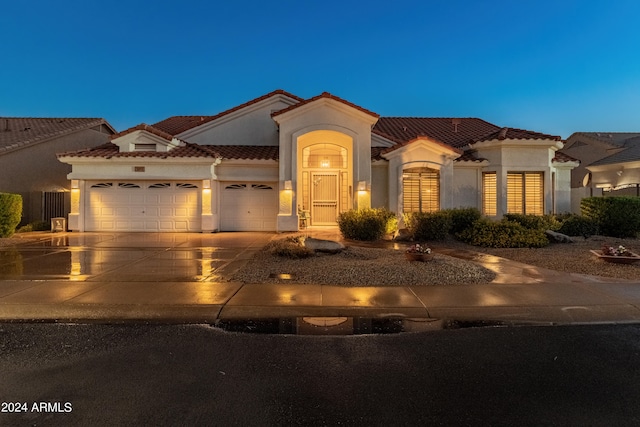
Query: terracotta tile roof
(455, 132)
(110, 150)
(510, 133)
(142, 126)
(561, 157)
(245, 152)
(16, 132)
(470, 156)
(178, 124)
(324, 95)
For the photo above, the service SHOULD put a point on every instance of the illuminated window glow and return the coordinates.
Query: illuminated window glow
(420, 190)
(525, 193)
(489, 194)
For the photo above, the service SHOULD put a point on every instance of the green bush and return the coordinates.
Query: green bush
(577, 225)
(536, 222)
(614, 216)
(367, 224)
(10, 213)
(503, 234)
(428, 225)
(463, 218)
(34, 226)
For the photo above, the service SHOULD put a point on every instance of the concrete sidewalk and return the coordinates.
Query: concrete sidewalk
(178, 278)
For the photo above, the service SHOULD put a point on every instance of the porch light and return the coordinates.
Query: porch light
(206, 184)
(75, 184)
(362, 185)
(288, 185)
(324, 163)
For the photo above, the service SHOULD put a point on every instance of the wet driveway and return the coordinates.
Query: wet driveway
(134, 257)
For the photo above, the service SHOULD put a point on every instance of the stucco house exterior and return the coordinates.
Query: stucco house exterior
(28, 163)
(609, 164)
(259, 165)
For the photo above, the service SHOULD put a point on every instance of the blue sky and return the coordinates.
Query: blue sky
(553, 66)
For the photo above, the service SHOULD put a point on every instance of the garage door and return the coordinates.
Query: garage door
(142, 206)
(248, 206)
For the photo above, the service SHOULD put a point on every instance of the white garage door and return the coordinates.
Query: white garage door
(248, 206)
(142, 206)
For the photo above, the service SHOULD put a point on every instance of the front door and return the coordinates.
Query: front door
(324, 198)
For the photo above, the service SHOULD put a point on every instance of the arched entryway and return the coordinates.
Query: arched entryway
(325, 188)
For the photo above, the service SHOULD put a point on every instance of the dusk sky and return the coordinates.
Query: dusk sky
(552, 66)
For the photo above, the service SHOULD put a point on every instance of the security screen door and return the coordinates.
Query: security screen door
(324, 198)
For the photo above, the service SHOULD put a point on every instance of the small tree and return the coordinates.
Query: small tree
(10, 213)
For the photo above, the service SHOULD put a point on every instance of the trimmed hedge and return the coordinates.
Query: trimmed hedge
(503, 234)
(537, 222)
(577, 225)
(613, 216)
(428, 225)
(367, 224)
(10, 213)
(462, 218)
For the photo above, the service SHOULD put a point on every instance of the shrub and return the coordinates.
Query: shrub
(536, 222)
(290, 247)
(503, 234)
(577, 225)
(614, 216)
(463, 218)
(34, 226)
(367, 224)
(428, 225)
(10, 213)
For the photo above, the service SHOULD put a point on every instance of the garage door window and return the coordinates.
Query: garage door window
(103, 185)
(160, 185)
(186, 185)
(128, 185)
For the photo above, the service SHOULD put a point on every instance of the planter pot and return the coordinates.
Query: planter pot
(418, 256)
(618, 259)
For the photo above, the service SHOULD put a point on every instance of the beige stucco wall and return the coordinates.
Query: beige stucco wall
(466, 186)
(252, 125)
(379, 185)
(34, 169)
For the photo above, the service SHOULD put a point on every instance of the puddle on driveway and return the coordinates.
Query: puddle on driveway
(314, 325)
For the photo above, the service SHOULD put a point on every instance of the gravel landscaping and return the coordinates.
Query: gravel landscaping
(360, 266)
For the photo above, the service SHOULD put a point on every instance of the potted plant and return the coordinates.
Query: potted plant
(418, 252)
(619, 254)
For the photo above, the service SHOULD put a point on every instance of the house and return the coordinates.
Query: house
(28, 164)
(609, 164)
(259, 165)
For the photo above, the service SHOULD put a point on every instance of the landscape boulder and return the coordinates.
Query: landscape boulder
(321, 245)
(558, 237)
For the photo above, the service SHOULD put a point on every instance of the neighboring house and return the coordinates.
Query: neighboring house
(28, 163)
(609, 164)
(256, 166)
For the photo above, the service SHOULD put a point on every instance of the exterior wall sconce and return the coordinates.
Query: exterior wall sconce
(325, 163)
(362, 185)
(206, 184)
(288, 185)
(75, 184)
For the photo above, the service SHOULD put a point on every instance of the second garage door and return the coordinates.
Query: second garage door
(248, 206)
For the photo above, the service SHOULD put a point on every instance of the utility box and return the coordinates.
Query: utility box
(58, 224)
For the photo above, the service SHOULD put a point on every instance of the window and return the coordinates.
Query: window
(489, 194)
(185, 185)
(525, 193)
(160, 185)
(128, 185)
(420, 190)
(144, 147)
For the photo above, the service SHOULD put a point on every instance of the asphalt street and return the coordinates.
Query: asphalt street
(78, 375)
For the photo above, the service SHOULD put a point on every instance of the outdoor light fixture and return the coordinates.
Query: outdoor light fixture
(206, 184)
(288, 185)
(75, 184)
(325, 163)
(362, 185)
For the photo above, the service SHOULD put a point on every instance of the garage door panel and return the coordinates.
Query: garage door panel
(248, 207)
(141, 207)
